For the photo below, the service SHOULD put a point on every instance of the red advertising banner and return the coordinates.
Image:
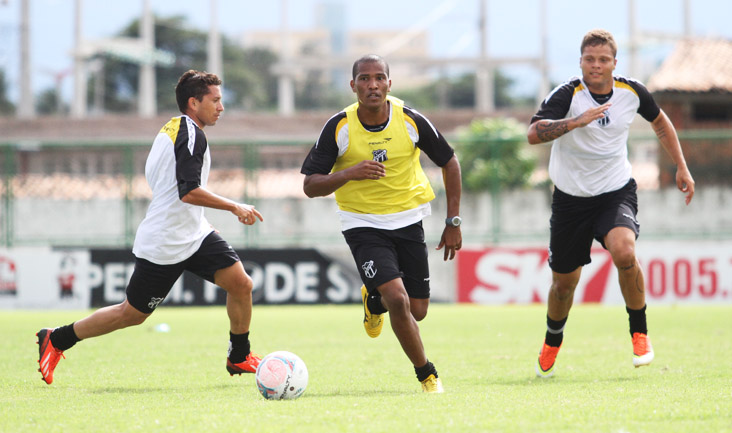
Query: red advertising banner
(694, 272)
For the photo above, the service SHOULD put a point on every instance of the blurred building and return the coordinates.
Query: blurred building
(694, 87)
(322, 50)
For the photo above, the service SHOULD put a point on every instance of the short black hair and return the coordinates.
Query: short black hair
(193, 84)
(369, 58)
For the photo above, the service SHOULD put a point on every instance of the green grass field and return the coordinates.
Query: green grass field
(145, 381)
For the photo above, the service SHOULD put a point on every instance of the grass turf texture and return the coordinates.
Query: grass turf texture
(139, 380)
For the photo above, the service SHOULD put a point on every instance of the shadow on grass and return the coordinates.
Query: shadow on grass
(360, 393)
(566, 379)
(167, 389)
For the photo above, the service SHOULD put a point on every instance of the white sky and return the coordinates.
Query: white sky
(513, 27)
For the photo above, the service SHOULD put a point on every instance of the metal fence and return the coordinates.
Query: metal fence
(94, 194)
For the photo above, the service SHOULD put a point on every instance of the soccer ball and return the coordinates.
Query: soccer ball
(282, 376)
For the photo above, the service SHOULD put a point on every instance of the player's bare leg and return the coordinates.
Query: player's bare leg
(561, 293)
(418, 308)
(238, 285)
(109, 319)
(559, 302)
(620, 242)
(396, 300)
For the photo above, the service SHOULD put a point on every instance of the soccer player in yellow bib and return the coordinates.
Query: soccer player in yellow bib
(587, 121)
(368, 154)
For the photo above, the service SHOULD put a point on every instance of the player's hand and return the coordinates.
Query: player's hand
(367, 169)
(247, 214)
(452, 241)
(685, 183)
(592, 114)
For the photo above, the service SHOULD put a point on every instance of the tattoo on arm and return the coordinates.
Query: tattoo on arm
(661, 132)
(548, 131)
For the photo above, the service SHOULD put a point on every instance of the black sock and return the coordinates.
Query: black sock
(238, 347)
(375, 305)
(425, 371)
(637, 319)
(554, 331)
(64, 337)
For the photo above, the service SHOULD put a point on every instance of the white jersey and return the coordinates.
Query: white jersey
(179, 162)
(593, 160)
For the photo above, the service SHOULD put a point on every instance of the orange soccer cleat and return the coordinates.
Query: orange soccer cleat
(642, 350)
(249, 365)
(48, 356)
(545, 363)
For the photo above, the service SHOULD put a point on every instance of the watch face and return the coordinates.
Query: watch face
(454, 221)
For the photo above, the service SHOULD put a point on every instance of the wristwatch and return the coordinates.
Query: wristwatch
(454, 221)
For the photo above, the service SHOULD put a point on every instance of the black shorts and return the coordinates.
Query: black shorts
(384, 255)
(150, 283)
(576, 221)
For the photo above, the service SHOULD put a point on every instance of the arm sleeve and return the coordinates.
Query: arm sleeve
(648, 108)
(430, 141)
(556, 105)
(189, 161)
(323, 154)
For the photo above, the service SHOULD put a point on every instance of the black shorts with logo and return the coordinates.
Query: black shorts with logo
(150, 283)
(576, 221)
(384, 255)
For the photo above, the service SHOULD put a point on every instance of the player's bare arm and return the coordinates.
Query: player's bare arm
(547, 130)
(320, 185)
(245, 213)
(452, 238)
(666, 134)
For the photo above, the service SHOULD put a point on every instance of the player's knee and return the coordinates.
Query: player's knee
(419, 314)
(130, 316)
(246, 284)
(136, 320)
(624, 257)
(419, 309)
(241, 287)
(397, 302)
(563, 289)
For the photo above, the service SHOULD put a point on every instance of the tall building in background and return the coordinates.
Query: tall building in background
(331, 16)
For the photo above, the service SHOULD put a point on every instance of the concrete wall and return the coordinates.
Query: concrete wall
(515, 218)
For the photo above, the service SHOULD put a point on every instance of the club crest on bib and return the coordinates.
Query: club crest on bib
(379, 155)
(368, 269)
(604, 121)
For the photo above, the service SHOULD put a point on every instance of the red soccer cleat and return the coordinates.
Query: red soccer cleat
(48, 356)
(249, 365)
(545, 363)
(642, 350)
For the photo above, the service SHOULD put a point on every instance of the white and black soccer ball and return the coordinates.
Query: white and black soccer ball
(282, 375)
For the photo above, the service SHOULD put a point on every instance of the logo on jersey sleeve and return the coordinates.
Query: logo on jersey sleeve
(379, 155)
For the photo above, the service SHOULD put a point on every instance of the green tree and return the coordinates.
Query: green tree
(47, 102)
(7, 108)
(494, 154)
(460, 92)
(248, 81)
